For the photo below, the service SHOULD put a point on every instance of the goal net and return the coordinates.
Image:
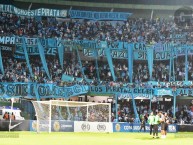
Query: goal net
(49, 111)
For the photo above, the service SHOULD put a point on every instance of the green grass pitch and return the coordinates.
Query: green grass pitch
(32, 138)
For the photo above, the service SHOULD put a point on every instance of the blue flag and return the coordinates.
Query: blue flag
(43, 59)
(130, 61)
(1, 63)
(150, 61)
(109, 59)
(61, 54)
(26, 56)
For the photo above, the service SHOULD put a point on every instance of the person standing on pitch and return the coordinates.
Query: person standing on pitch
(142, 124)
(167, 122)
(155, 125)
(162, 121)
(151, 121)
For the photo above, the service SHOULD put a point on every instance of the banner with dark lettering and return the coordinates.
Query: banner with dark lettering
(117, 49)
(163, 91)
(93, 15)
(122, 92)
(7, 47)
(50, 46)
(61, 54)
(33, 13)
(39, 91)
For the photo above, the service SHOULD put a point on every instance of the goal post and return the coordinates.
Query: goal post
(52, 110)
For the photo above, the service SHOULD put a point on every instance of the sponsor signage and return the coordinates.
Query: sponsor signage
(135, 127)
(62, 126)
(84, 126)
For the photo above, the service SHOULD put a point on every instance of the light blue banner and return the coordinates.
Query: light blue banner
(109, 59)
(186, 64)
(150, 61)
(162, 92)
(1, 63)
(39, 91)
(43, 59)
(67, 78)
(122, 92)
(26, 57)
(33, 13)
(93, 15)
(117, 49)
(130, 62)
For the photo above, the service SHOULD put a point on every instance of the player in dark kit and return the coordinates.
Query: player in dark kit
(167, 122)
(162, 121)
(143, 124)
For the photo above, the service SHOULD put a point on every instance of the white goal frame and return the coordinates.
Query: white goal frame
(65, 104)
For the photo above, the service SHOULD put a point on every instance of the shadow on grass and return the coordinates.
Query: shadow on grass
(147, 138)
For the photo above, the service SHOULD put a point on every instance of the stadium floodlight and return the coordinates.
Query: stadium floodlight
(52, 110)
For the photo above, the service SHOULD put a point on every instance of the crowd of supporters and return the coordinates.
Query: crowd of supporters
(184, 113)
(16, 70)
(132, 30)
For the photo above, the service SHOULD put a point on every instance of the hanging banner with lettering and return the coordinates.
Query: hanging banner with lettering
(162, 92)
(122, 92)
(33, 13)
(49, 46)
(39, 91)
(7, 40)
(118, 49)
(8, 48)
(184, 92)
(93, 15)
(179, 36)
(125, 92)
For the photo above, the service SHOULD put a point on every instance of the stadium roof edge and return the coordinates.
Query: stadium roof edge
(107, 5)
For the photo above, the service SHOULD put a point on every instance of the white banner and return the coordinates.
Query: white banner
(84, 126)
